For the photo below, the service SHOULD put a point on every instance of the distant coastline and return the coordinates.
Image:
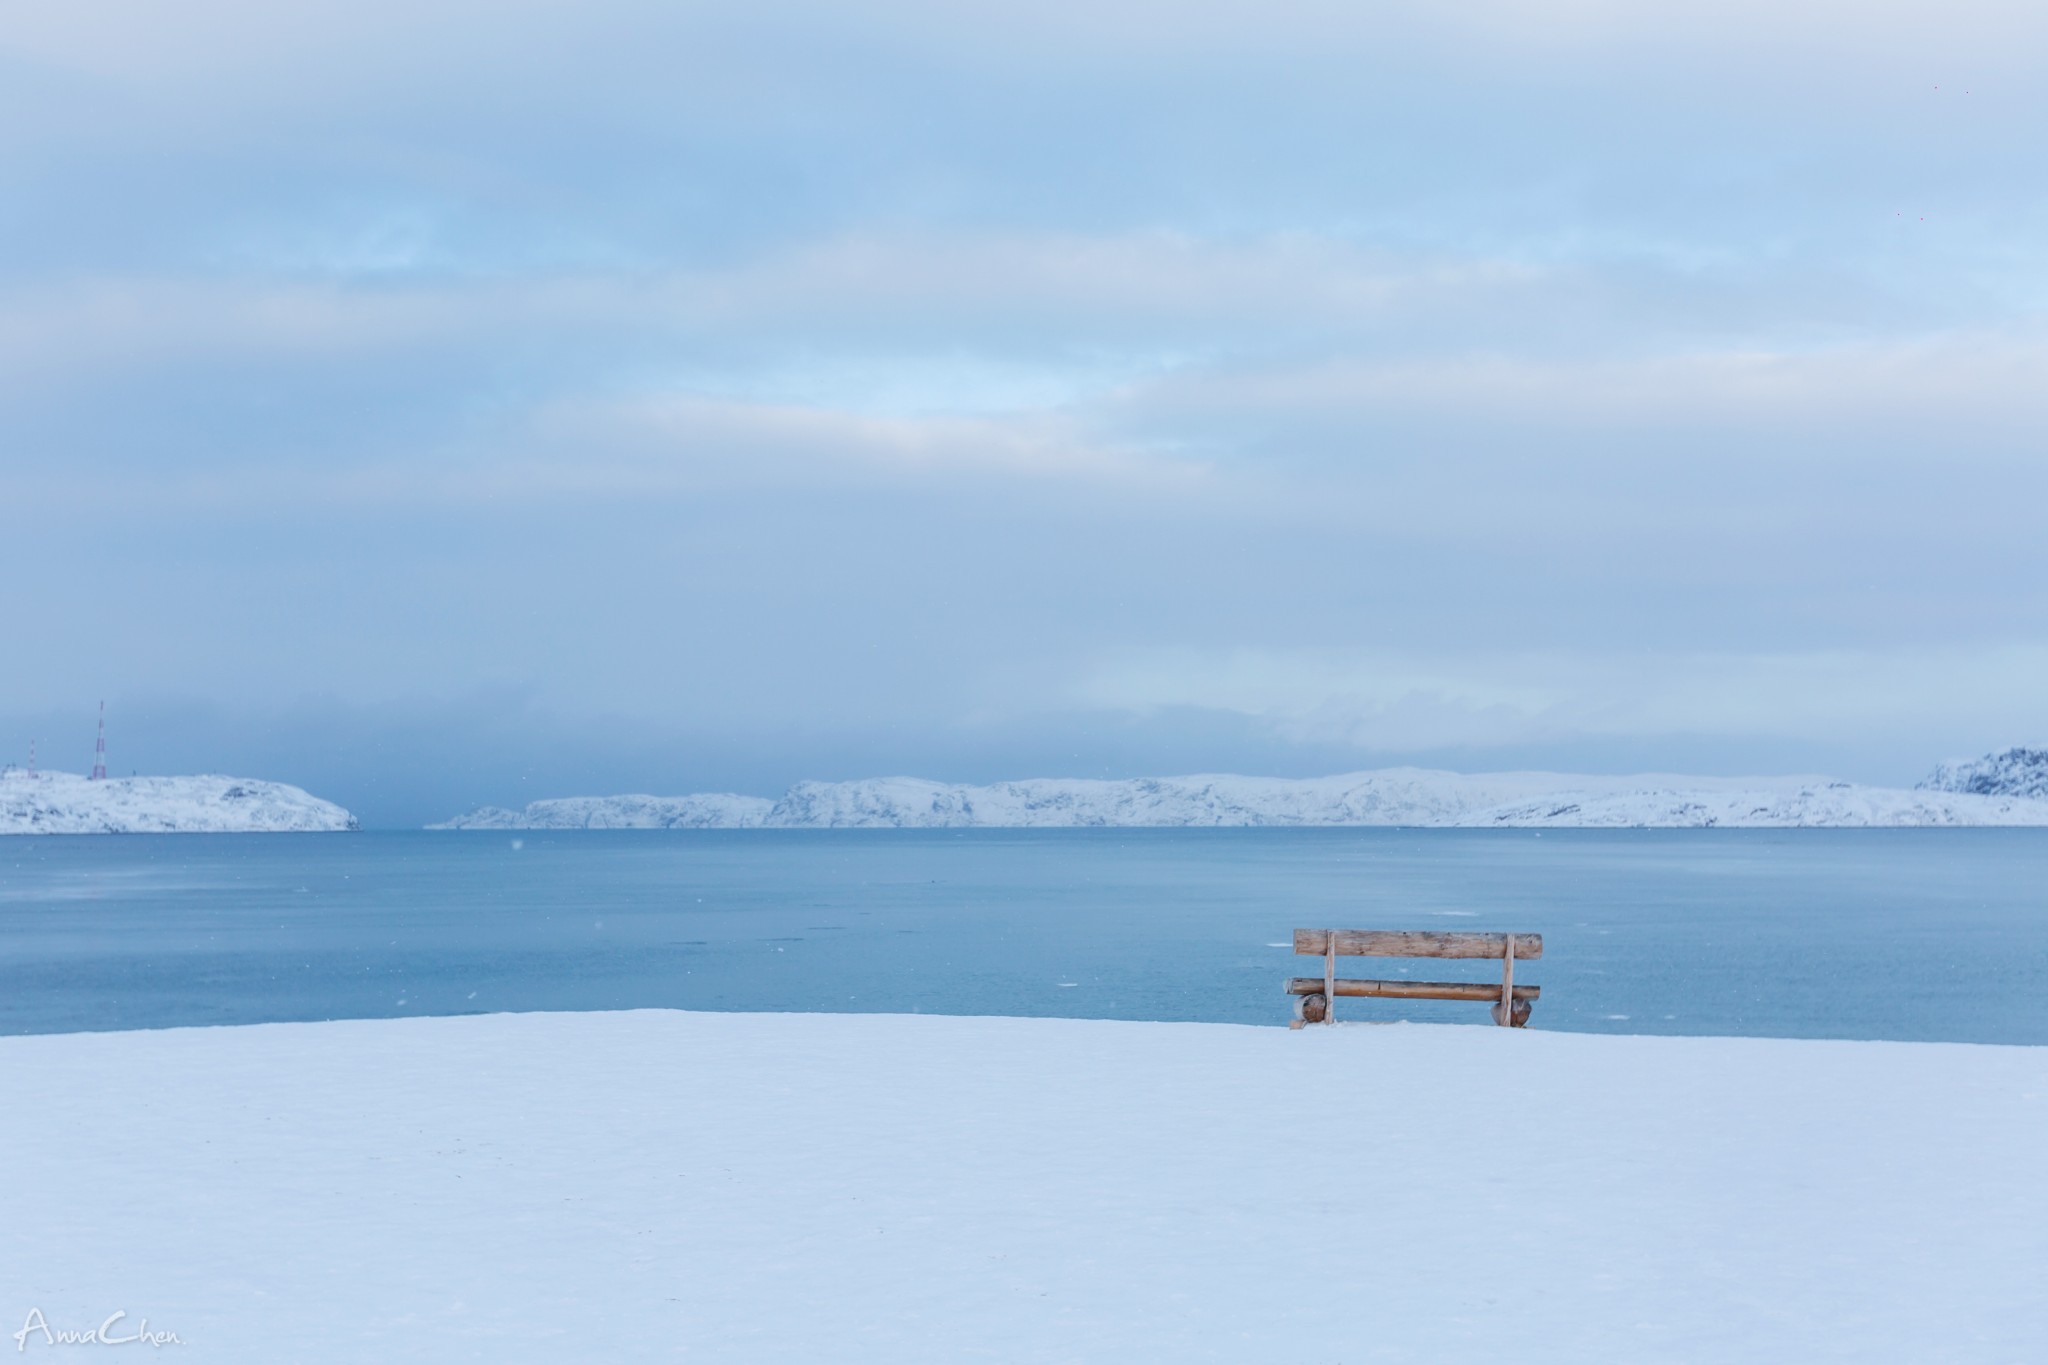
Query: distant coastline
(2009, 788)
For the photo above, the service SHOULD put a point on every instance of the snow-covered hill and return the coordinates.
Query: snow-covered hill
(1393, 796)
(2015, 772)
(1829, 804)
(1396, 796)
(707, 810)
(65, 803)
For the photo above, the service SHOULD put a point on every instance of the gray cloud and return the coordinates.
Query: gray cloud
(1038, 388)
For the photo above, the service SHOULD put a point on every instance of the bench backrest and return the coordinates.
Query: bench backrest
(1404, 943)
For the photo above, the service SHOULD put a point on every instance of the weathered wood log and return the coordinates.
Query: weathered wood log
(1411, 990)
(1415, 943)
(1312, 1008)
(1518, 1019)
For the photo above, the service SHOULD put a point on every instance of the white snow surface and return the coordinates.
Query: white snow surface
(66, 803)
(1392, 796)
(659, 1185)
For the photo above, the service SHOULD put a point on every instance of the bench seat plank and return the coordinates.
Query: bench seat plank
(1411, 990)
(1403, 943)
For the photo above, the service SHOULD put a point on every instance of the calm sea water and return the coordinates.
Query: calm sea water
(1909, 934)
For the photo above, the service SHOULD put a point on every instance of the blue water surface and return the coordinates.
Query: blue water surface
(1905, 934)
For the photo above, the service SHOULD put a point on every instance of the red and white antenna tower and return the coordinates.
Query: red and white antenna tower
(31, 760)
(99, 750)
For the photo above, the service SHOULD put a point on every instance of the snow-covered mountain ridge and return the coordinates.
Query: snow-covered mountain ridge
(707, 810)
(2015, 772)
(1391, 796)
(66, 803)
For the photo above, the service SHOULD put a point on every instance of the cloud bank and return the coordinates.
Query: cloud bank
(1041, 388)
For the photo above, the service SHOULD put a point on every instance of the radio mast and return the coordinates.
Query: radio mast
(99, 750)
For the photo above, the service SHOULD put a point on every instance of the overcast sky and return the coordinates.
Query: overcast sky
(447, 402)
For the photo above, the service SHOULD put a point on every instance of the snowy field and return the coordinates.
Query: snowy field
(767, 1187)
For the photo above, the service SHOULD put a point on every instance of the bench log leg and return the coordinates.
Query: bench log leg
(1504, 1012)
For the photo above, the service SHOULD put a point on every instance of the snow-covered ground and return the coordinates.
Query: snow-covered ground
(1392, 796)
(66, 803)
(661, 1186)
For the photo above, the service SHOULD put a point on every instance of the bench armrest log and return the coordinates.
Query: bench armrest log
(1412, 990)
(1402, 943)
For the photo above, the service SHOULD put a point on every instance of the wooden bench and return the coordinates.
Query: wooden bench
(1313, 994)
